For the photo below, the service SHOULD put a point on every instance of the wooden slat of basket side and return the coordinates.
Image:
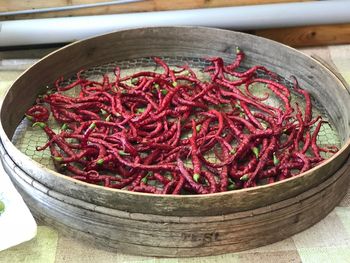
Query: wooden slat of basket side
(146, 6)
(197, 236)
(129, 44)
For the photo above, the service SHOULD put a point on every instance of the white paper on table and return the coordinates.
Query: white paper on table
(17, 224)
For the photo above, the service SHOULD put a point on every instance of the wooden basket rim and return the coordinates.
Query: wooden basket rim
(4, 137)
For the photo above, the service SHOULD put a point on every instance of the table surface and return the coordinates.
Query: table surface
(326, 241)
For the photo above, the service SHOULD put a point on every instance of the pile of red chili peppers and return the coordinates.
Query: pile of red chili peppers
(153, 132)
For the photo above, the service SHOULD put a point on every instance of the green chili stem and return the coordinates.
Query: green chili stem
(196, 177)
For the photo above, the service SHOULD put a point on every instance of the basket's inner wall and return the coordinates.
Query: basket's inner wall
(199, 43)
(27, 138)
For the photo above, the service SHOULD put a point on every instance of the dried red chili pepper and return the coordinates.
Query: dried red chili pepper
(134, 132)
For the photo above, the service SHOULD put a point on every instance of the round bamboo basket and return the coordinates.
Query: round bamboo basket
(178, 226)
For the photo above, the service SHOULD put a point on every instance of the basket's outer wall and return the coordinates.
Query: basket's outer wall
(174, 236)
(190, 42)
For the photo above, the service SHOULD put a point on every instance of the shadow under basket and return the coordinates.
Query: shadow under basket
(166, 225)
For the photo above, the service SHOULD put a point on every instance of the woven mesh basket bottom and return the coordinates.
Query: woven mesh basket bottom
(27, 138)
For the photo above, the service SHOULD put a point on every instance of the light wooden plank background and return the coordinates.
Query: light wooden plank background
(144, 6)
(149, 5)
(308, 35)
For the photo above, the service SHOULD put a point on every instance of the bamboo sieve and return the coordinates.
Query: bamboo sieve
(174, 225)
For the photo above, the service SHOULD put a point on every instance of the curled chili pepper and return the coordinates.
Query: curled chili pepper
(175, 133)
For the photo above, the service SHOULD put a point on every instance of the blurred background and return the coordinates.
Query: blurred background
(57, 22)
